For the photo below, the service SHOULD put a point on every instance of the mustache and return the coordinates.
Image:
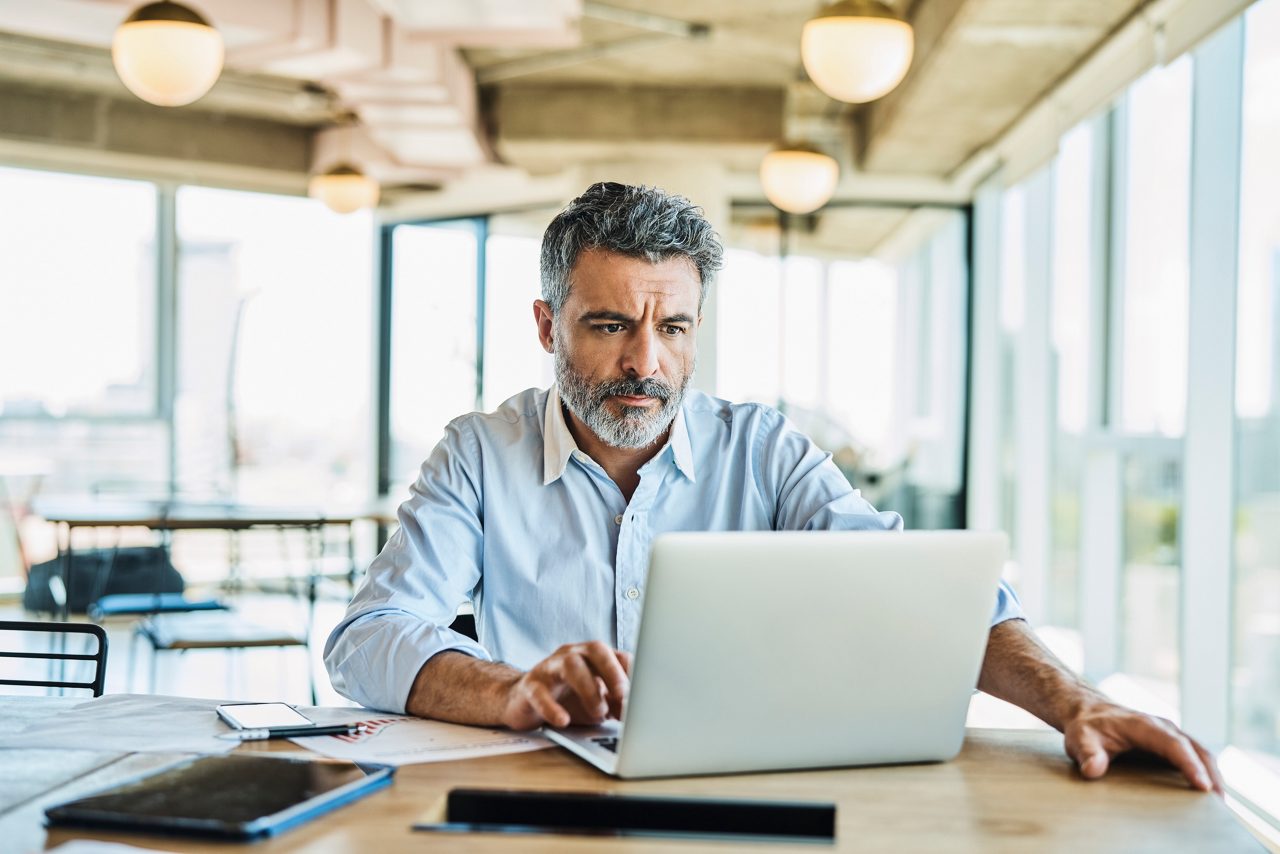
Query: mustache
(635, 388)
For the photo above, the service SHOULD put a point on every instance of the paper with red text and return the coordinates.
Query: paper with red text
(397, 740)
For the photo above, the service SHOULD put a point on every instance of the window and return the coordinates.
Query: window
(861, 316)
(802, 336)
(433, 338)
(1013, 272)
(1153, 365)
(1153, 358)
(1256, 668)
(1073, 254)
(275, 346)
(78, 389)
(77, 328)
(749, 330)
(513, 357)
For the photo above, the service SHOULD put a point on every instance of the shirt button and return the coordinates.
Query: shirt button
(617, 520)
(633, 594)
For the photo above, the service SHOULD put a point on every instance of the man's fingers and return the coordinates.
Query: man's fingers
(546, 706)
(1165, 740)
(615, 702)
(1211, 765)
(583, 682)
(1090, 754)
(624, 658)
(604, 661)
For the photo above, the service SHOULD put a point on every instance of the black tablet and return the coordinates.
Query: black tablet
(234, 797)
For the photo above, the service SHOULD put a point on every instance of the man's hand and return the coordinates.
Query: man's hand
(1100, 732)
(581, 683)
(1020, 669)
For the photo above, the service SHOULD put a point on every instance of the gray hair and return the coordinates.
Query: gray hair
(640, 222)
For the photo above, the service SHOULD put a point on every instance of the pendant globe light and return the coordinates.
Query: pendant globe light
(798, 178)
(344, 189)
(857, 50)
(167, 54)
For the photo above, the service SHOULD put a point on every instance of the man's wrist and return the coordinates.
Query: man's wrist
(502, 690)
(1082, 703)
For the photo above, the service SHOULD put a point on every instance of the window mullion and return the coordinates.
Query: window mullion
(1206, 529)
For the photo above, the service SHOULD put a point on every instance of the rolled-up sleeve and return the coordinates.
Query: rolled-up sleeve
(814, 495)
(1007, 605)
(400, 614)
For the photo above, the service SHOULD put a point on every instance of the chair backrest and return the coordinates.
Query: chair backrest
(99, 658)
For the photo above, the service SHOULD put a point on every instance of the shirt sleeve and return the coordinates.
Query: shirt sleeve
(400, 614)
(814, 495)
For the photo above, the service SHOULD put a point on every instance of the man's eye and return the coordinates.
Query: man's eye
(674, 330)
(610, 328)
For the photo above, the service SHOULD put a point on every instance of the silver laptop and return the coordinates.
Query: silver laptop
(775, 650)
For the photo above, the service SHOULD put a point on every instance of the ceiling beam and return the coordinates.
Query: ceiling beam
(94, 123)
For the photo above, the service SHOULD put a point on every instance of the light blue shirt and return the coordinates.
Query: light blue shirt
(508, 513)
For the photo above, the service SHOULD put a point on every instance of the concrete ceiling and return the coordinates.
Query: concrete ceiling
(980, 64)
(448, 90)
(749, 43)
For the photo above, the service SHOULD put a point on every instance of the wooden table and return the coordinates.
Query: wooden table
(1009, 790)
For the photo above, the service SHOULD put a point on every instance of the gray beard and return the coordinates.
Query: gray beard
(635, 427)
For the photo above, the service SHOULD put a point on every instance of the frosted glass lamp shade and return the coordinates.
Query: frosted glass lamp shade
(167, 54)
(798, 179)
(857, 50)
(344, 189)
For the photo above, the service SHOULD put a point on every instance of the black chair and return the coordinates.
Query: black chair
(99, 658)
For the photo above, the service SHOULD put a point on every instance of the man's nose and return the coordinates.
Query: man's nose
(640, 358)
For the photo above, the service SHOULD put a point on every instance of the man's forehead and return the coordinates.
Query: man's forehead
(601, 276)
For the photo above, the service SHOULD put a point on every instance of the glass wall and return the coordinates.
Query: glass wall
(274, 346)
(749, 327)
(78, 394)
(1126, 233)
(1153, 281)
(865, 352)
(77, 329)
(1072, 322)
(433, 337)
(1012, 285)
(1256, 670)
(513, 356)
(79, 397)
(247, 376)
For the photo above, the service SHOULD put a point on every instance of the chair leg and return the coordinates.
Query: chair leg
(311, 675)
(155, 654)
(133, 655)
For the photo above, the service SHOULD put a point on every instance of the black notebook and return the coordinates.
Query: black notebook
(236, 797)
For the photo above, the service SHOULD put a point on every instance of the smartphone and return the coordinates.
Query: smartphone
(263, 716)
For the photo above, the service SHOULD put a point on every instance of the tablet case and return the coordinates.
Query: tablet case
(229, 797)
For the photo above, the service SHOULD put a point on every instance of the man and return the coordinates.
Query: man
(542, 512)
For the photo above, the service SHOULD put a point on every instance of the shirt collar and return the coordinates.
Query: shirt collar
(558, 444)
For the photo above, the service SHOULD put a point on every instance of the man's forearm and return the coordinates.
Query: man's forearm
(453, 686)
(1020, 669)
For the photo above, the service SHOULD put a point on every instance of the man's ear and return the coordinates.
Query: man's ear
(546, 321)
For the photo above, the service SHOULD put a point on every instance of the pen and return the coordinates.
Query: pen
(291, 732)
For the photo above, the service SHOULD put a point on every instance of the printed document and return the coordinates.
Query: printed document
(399, 740)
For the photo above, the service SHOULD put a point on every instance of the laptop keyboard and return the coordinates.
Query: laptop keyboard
(608, 742)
